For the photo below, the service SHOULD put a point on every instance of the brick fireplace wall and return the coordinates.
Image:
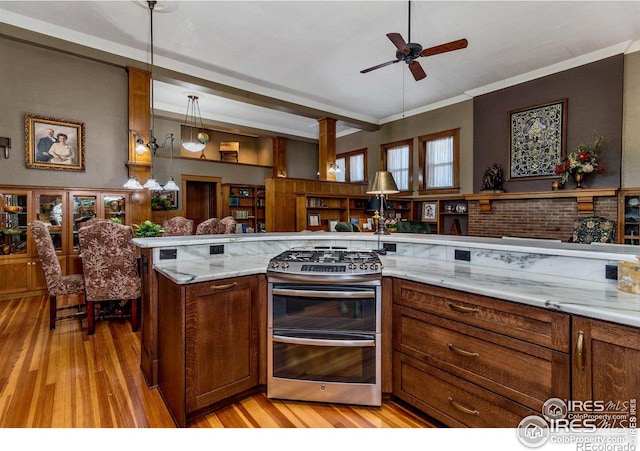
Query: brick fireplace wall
(535, 218)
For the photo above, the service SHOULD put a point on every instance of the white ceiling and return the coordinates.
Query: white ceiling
(310, 53)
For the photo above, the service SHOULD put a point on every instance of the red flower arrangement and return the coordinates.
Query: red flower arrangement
(584, 159)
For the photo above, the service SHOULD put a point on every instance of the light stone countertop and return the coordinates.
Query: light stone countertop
(599, 300)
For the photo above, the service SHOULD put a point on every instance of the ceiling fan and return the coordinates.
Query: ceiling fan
(409, 52)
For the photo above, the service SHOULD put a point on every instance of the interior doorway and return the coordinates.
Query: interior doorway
(201, 197)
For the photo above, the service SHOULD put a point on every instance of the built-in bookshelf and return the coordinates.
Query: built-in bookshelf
(246, 204)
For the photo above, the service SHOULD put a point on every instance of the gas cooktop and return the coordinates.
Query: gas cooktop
(310, 260)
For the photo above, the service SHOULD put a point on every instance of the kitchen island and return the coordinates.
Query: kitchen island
(565, 280)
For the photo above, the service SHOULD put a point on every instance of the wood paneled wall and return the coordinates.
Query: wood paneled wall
(281, 198)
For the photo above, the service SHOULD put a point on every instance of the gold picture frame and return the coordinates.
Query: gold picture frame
(56, 144)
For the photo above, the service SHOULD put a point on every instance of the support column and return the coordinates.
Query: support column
(327, 147)
(279, 156)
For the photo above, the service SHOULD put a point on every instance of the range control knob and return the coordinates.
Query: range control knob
(285, 264)
(363, 266)
(374, 266)
(274, 264)
(352, 265)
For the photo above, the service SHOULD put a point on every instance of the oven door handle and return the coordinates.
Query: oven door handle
(325, 294)
(323, 342)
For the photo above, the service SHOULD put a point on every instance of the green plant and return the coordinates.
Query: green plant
(160, 203)
(582, 160)
(117, 220)
(147, 229)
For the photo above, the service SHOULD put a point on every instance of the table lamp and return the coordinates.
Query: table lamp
(381, 185)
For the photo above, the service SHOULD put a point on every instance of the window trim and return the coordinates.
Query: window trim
(422, 157)
(347, 169)
(383, 160)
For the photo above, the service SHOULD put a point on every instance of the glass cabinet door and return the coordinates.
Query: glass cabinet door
(115, 208)
(84, 208)
(13, 224)
(631, 219)
(49, 209)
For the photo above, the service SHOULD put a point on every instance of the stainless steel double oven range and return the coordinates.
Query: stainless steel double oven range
(324, 325)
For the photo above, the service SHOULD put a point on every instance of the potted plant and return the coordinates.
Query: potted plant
(160, 203)
(147, 229)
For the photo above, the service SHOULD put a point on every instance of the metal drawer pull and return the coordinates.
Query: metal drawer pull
(579, 350)
(325, 294)
(461, 351)
(461, 309)
(324, 342)
(224, 287)
(462, 408)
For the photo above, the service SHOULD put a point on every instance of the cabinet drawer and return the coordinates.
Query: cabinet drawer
(524, 372)
(453, 401)
(536, 325)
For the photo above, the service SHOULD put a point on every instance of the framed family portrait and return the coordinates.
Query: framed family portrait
(313, 219)
(537, 140)
(56, 144)
(429, 211)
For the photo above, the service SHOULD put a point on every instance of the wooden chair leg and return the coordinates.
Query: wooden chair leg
(134, 314)
(91, 325)
(53, 307)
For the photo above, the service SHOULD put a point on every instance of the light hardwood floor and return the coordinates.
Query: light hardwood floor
(64, 378)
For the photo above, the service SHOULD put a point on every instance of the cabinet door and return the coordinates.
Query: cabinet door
(14, 275)
(50, 207)
(222, 346)
(14, 210)
(606, 361)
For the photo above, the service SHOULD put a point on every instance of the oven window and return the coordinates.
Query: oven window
(297, 310)
(325, 363)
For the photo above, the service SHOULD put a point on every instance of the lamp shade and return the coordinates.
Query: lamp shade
(382, 183)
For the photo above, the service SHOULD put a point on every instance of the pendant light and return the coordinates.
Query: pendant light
(140, 147)
(196, 139)
(171, 184)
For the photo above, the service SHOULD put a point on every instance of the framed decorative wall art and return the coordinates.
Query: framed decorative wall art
(537, 140)
(313, 219)
(170, 199)
(56, 144)
(429, 211)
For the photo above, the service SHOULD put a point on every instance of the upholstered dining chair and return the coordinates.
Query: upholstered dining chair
(177, 226)
(593, 229)
(229, 224)
(110, 266)
(210, 226)
(57, 284)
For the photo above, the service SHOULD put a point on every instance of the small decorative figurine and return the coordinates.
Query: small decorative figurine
(492, 180)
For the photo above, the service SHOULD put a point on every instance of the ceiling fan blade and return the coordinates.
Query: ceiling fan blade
(417, 70)
(378, 66)
(398, 41)
(448, 47)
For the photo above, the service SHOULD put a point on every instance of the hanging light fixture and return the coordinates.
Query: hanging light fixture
(140, 147)
(133, 182)
(196, 139)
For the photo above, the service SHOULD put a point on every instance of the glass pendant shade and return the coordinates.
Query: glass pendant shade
(140, 148)
(171, 185)
(132, 183)
(196, 139)
(152, 184)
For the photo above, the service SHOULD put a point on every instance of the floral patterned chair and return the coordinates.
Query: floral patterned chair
(211, 226)
(229, 224)
(593, 229)
(110, 266)
(57, 284)
(177, 226)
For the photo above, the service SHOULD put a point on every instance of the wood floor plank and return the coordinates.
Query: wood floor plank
(64, 378)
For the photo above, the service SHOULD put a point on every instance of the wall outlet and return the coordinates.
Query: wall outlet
(216, 249)
(389, 247)
(462, 255)
(611, 272)
(168, 254)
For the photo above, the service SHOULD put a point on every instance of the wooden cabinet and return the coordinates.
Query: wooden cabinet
(469, 360)
(606, 361)
(629, 216)
(246, 204)
(62, 209)
(209, 342)
(446, 215)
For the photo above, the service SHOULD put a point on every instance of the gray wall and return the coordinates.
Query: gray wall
(302, 159)
(631, 122)
(459, 115)
(60, 86)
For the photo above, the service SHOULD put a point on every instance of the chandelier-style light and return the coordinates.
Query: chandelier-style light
(196, 139)
(140, 147)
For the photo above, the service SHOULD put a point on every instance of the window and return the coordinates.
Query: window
(396, 158)
(439, 166)
(353, 166)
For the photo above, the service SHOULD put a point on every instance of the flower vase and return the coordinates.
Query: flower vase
(579, 178)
